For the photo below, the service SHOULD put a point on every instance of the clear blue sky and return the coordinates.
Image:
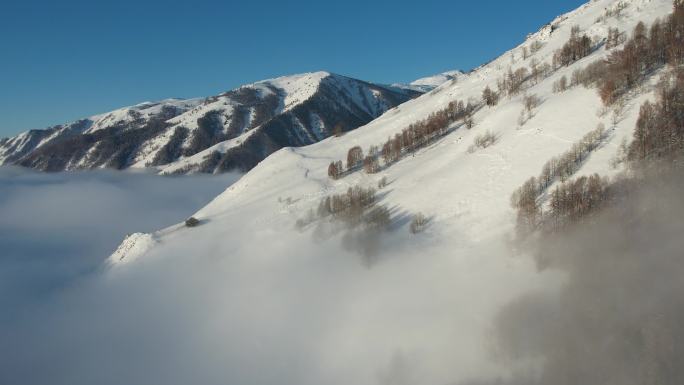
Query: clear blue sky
(62, 60)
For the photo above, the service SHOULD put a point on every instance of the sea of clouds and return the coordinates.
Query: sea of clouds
(57, 227)
(226, 303)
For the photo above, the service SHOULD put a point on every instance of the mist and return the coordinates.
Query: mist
(56, 228)
(232, 304)
(619, 317)
(227, 303)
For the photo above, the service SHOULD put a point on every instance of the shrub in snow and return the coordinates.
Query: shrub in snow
(483, 141)
(490, 98)
(531, 102)
(469, 122)
(382, 183)
(561, 85)
(536, 46)
(418, 223)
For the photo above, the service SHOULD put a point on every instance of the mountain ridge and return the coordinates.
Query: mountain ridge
(522, 146)
(155, 134)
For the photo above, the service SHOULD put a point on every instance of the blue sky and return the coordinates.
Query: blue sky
(62, 60)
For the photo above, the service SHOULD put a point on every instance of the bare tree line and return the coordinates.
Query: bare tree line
(659, 133)
(354, 208)
(573, 201)
(578, 47)
(514, 81)
(409, 140)
(658, 143)
(351, 206)
(647, 49)
(526, 198)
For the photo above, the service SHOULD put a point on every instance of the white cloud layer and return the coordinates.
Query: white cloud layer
(225, 304)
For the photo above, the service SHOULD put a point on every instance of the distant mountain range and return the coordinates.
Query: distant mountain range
(231, 131)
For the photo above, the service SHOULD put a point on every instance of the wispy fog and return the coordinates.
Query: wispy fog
(229, 303)
(57, 227)
(619, 319)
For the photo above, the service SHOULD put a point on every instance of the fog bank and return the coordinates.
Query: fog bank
(57, 227)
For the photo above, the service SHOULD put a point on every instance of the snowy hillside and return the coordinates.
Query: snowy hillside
(14, 149)
(429, 83)
(234, 130)
(434, 81)
(460, 262)
(480, 183)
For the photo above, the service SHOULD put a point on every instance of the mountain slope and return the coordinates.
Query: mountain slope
(520, 150)
(234, 130)
(434, 81)
(436, 292)
(429, 83)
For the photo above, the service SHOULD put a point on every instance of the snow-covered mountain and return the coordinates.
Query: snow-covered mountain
(460, 266)
(480, 182)
(434, 81)
(429, 83)
(233, 130)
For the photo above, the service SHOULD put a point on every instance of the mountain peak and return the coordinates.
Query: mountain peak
(235, 129)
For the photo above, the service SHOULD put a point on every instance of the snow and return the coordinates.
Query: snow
(466, 195)
(464, 251)
(132, 247)
(196, 159)
(437, 80)
(16, 143)
(292, 90)
(296, 88)
(145, 111)
(318, 126)
(434, 294)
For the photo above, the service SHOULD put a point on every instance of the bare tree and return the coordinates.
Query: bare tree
(574, 49)
(354, 157)
(531, 102)
(491, 98)
(418, 223)
(338, 130)
(561, 85)
(370, 164)
(332, 171)
(536, 46)
(382, 183)
(483, 140)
